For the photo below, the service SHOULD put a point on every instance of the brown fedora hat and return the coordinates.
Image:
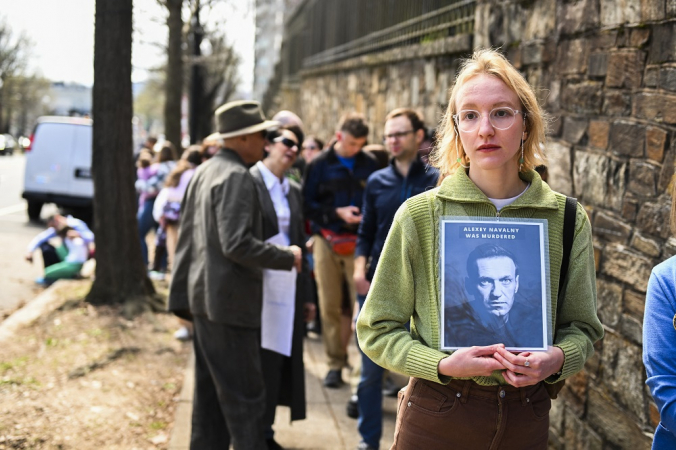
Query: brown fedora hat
(241, 117)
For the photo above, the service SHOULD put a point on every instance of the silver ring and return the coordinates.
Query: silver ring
(527, 363)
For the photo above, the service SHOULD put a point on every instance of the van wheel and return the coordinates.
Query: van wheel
(34, 209)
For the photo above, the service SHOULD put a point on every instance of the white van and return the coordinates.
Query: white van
(58, 165)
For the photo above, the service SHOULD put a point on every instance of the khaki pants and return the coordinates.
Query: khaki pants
(331, 270)
(172, 238)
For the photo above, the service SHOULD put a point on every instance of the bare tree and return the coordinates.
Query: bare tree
(219, 81)
(13, 58)
(174, 74)
(120, 273)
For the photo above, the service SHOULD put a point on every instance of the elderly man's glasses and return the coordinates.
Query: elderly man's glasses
(397, 135)
(309, 147)
(500, 118)
(286, 141)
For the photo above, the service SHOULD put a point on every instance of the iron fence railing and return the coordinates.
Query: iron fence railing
(321, 32)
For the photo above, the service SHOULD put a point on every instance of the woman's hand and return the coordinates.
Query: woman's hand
(529, 368)
(471, 362)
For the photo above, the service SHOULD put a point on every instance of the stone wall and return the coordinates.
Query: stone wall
(605, 70)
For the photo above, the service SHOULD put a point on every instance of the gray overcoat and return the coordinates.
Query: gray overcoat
(221, 251)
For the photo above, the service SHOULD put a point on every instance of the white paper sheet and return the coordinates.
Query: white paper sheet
(279, 304)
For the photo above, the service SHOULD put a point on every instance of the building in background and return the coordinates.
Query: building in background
(70, 99)
(270, 16)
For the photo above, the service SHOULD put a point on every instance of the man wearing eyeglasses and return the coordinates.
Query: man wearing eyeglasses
(386, 190)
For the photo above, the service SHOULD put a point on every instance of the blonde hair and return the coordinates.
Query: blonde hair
(490, 62)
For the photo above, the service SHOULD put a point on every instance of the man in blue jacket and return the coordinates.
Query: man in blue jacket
(333, 192)
(385, 191)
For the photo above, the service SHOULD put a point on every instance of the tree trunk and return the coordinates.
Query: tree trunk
(174, 86)
(120, 273)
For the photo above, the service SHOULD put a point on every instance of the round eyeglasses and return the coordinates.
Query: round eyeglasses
(500, 118)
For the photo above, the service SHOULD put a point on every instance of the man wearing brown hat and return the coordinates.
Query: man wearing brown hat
(217, 281)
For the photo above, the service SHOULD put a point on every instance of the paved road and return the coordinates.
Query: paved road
(16, 275)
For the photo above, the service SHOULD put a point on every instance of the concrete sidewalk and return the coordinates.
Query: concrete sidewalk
(327, 425)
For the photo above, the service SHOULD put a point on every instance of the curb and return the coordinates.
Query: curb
(45, 302)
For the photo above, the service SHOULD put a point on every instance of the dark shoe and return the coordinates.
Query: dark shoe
(273, 445)
(364, 446)
(352, 408)
(333, 379)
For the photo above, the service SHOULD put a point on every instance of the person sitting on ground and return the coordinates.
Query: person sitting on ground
(55, 223)
(69, 257)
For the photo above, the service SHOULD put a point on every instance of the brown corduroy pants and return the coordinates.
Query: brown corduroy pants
(464, 415)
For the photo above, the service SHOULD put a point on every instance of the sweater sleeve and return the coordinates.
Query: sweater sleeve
(395, 298)
(578, 325)
(659, 336)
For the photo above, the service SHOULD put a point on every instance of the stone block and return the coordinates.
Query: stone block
(415, 90)
(572, 57)
(609, 302)
(627, 138)
(352, 82)
(638, 37)
(616, 103)
(556, 417)
(598, 134)
(655, 143)
(655, 106)
(669, 248)
(604, 39)
(590, 176)
(552, 102)
(618, 12)
(654, 413)
(629, 209)
(663, 43)
(617, 184)
(668, 78)
(663, 185)
(643, 178)
(583, 98)
(625, 69)
(634, 304)
(651, 76)
(574, 129)
(430, 77)
(598, 65)
(531, 53)
(647, 246)
(555, 127)
(632, 329)
(611, 228)
(597, 258)
(579, 436)
(576, 17)
(625, 265)
(560, 174)
(614, 423)
(623, 373)
(671, 8)
(653, 219)
(653, 10)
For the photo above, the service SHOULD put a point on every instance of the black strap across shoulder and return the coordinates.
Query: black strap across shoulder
(568, 235)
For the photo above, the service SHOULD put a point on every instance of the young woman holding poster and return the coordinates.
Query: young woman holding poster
(490, 140)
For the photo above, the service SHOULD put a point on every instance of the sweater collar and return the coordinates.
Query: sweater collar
(459, 188)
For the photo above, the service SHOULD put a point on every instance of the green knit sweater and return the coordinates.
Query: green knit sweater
(406, 284)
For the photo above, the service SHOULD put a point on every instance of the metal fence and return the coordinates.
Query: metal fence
(321, 32)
